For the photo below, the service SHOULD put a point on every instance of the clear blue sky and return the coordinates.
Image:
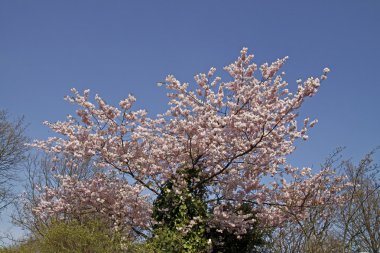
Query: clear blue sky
(120, 47)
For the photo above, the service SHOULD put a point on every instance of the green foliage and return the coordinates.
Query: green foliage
(181, 225)
(92, 237)
(26, 247)
(73, 237)
(166, 240)
(181, 221)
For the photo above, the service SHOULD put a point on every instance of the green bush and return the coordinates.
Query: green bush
(73, 237)
(30, 246)
(181, 221)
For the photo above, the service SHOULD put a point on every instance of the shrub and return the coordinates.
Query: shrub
(73, 237)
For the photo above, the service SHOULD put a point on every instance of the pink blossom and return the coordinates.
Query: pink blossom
(237, 133)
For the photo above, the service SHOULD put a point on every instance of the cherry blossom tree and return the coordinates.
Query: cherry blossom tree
(220, 144)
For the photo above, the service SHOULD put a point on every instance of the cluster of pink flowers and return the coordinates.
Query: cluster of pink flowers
(107, 199)
(237, 134)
